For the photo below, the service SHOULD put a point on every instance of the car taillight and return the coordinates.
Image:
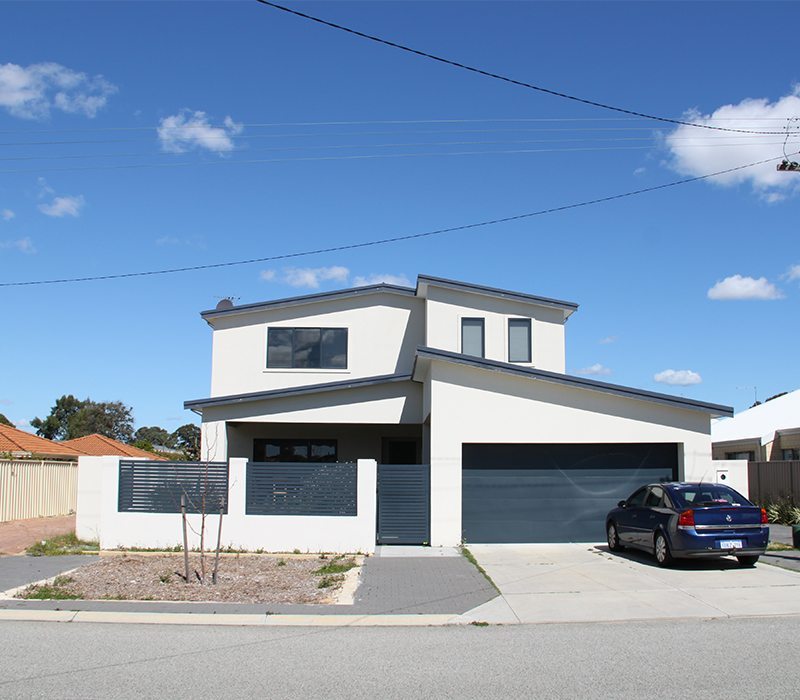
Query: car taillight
(686, 519)
(764, 520)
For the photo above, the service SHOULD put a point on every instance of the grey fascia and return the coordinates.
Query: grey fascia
(309, 299)
(568, 307)
(573, 381)
(199, 404)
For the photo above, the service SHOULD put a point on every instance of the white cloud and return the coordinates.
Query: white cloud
(595, 369)
(267, 275)
(312, 276)
(678, 377)
(639, 171)
(67, 205)
(737, 288)
(31, 92)
(700, 151)
(21, 423)
(608, 340)
(21, 245)
(381, 278)
(191, 129)
(793, 273)
(7, 214)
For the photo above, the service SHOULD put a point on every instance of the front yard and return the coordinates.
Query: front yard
(241, 579)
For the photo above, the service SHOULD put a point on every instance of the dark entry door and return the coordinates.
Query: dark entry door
(403, 504)
(553, 492)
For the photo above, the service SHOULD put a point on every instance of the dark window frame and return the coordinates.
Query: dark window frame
(260, 447)
(482, 321)
(293, 364)
(521, 322)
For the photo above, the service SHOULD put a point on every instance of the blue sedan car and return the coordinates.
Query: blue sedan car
(687, 520)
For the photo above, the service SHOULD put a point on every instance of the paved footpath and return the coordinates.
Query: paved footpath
(17, 535)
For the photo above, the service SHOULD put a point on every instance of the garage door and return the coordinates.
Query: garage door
(553, 492)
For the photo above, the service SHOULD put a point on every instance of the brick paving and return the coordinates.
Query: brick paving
(17, 535)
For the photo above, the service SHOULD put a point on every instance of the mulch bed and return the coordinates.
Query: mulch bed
(240, 579)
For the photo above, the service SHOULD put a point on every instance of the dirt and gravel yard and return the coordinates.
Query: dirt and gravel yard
(241, 579)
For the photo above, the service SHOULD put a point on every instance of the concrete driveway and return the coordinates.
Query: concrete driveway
(584, 582)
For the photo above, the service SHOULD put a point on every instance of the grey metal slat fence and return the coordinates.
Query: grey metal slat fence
(773, 481)
(299, 488)
(156, 487)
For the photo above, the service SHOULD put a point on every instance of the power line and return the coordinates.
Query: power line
(366, 122)
(350, 157)
(506, 79)
(392, 239)
(708, 143)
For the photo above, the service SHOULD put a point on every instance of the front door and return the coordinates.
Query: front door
(400, 451)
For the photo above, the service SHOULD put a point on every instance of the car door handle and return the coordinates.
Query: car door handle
(652, 516)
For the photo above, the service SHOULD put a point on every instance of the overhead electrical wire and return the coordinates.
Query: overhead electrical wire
(710, 143)
(506, 79)
(391, 239)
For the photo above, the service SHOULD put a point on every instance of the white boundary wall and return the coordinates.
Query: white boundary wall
(733, 473)
(98, 519)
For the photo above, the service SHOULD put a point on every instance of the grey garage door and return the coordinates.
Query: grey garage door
(553, 492)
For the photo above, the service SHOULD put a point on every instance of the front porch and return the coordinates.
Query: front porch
(326, 442)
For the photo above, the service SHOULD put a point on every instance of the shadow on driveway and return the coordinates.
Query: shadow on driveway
(712, 564)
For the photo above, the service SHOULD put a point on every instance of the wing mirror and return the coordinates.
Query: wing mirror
(622, 504)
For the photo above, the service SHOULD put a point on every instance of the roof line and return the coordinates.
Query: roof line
(310, 298)
(495, 291)
(573, 381)
(195, 404)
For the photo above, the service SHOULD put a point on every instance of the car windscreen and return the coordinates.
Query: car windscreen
(699, 495)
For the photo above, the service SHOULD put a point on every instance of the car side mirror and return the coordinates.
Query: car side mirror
(622, 504)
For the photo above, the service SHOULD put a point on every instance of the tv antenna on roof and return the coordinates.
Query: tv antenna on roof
(787, 165)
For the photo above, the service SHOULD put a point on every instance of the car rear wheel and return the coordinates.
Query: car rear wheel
(661, 550)
(748, 560)
(613, 538)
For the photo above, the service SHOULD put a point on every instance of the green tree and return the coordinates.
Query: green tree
(154, 435)
(71, 418)
(187, 439)
(55, 426)
(5, 421)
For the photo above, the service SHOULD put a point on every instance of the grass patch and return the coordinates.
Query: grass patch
(779, 547)
(330, 581)
(339, 565)
(61, 545)
(479, 623)
(57, 590)
(470, 557)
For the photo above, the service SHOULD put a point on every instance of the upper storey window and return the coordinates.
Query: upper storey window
(519, 340)
(307, 348)
(472, 337)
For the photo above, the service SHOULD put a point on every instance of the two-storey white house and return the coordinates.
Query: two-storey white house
(465, 381)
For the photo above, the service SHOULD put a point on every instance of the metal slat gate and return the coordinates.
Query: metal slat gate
(404, 504)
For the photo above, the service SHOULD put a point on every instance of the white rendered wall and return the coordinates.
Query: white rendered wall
(270, 533)
(90, 497)
(472, 405)
(446, 307)
(383, 332)
(733, 473)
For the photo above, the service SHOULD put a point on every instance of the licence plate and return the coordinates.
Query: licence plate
(730, 544)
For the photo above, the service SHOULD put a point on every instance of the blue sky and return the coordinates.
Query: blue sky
(250, 131)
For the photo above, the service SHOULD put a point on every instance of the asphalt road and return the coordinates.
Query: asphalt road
(752, 657)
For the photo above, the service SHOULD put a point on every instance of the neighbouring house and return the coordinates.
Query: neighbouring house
(18, 444)
(103, 446)
(459, 392)
(765, 433)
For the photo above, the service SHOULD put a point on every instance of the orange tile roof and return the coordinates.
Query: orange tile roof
(102, 446)
(19, 443)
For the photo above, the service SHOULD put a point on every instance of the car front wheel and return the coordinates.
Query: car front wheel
(748, 560)
(661, 550)
(613, 538)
